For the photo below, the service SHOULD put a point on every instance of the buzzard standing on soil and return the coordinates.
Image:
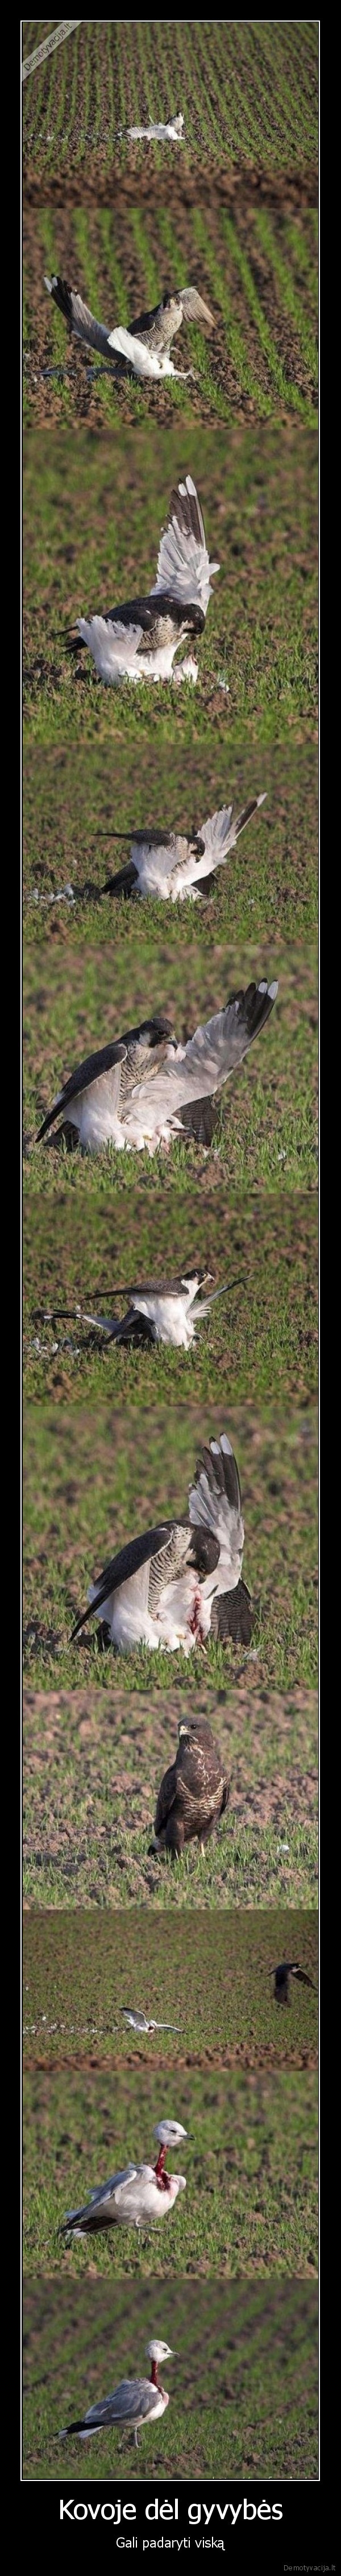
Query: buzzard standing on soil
(143, 349)
(193, 1794)
(138, 1090)
(138, 640)
(288, 1968)
(171, 866)
(161, 1588)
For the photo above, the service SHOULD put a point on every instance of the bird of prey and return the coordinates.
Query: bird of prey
(138, 640)
(135, 2196)
(160, 1589)
(138, 2021)
(193, 1793)
(288, 1968)
(174, 866)
(131, 1093)
(135, 2402)
(144, 347)
(162, 1311)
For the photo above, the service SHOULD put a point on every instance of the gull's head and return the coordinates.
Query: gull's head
(168, 2133)
(160, 2351)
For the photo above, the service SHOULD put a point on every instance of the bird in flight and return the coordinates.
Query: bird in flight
(134, 2196)
(143, 349)
(167, 1311)
(138, 2021)
(131, 1093)
(135, 2402)
(193, 1794)
(161, 1588)
(138, 640)
(174, 866)
(288, 1968)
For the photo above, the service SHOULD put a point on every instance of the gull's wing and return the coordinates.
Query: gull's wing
(132, 2399)
(221, 831)
(107, 1060)
(215, 1504)
(132, 1564)
(199, 1069)
(143, 359)
(183, 566)
(78, 316)
(98, 2198)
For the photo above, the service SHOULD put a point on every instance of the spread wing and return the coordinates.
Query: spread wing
(77, 315)
(195, 1071)
(222, 830)
(184, 567)
(215, 1501)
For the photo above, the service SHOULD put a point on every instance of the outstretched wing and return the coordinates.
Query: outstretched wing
(221, 831)
(215, 1502)
(78, 316)
(199, 1069)
(184, 568)
(139, 355)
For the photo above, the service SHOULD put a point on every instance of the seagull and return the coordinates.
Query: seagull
(193, 1794)
(134, 2402)
(171, 133)
(167, 1311)
(138, 2021)
(160, 1589)
(129, 1093)
(288, 1968)
(174, 866)
(145, 345)
(134, 2196)
(138, 640)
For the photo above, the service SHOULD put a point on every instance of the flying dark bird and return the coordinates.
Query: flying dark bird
(160, 1589)
(194, 1792)
(288, 1968)
(135, 2402)
(138, 640)
(144, 347)
(167, 1311)
(131, 1092)
(135, 2196)
(173, 866)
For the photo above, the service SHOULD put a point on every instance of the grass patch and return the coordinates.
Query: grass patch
(267, 1121)
(101, 546)
(249, 2390)
(78, 1970)
(88, 1484)
(245, 2209)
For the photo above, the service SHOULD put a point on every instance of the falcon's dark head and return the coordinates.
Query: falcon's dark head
(193, 619)
(196, 1733)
